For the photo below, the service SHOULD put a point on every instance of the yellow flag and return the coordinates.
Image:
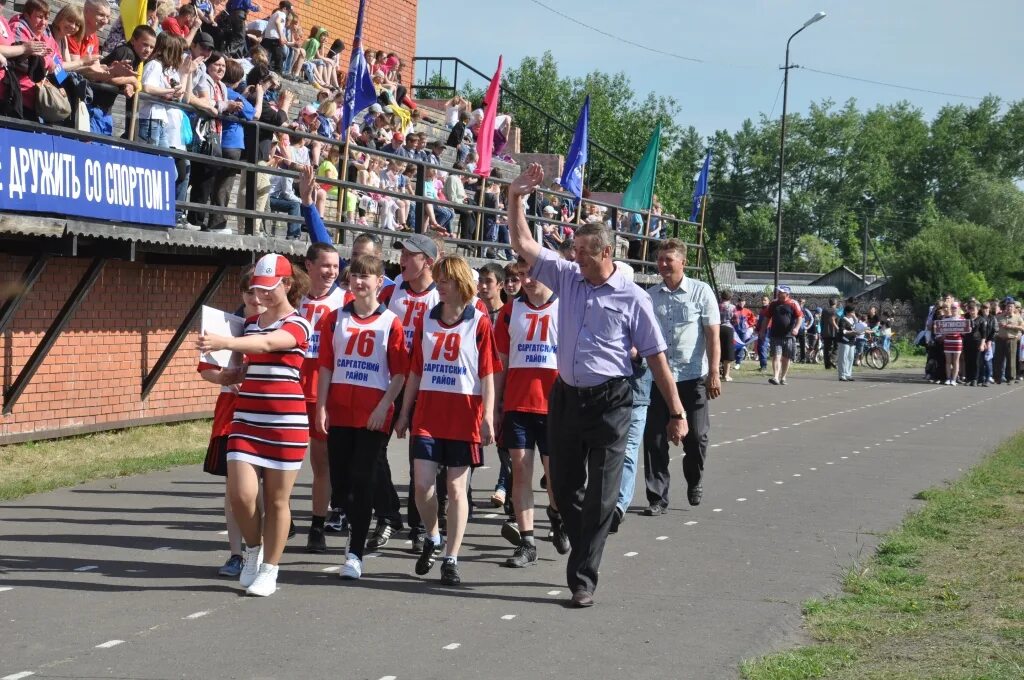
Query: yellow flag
(133, 13)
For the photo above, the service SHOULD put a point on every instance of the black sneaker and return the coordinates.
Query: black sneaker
(525, 555)
(417, 543)
(618, 517)
(695, 493)
(450, 575)
(427, 557)
(510, 532)
(336, 521)
(380, 537)
(316, 543)
(560, 539)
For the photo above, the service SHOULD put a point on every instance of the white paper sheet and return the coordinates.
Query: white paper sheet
(219, 323)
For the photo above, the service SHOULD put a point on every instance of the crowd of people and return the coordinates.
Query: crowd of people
(335, 358)
(973, 342)
(207, 69)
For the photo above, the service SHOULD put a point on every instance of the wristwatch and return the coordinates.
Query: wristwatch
(678, 416)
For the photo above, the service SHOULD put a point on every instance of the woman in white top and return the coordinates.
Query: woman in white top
(274, 37)
(168, 56)
(175, 125)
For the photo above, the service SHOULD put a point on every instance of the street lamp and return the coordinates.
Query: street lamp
(782, 144)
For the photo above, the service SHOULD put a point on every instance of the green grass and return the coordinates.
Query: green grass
(942, 598)
(51, 464)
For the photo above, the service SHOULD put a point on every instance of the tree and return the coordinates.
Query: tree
(815, 254)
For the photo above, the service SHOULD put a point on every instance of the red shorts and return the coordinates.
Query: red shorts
(311, 412)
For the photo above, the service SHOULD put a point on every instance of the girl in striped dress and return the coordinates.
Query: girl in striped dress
(952, 346)
(270, 430)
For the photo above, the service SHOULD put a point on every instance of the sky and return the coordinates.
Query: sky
(952, 46)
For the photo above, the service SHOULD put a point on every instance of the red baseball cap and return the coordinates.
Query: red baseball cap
(270, 270)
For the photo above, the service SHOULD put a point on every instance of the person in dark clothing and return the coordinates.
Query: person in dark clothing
(829, 327)
(785, 318)
(983, 331)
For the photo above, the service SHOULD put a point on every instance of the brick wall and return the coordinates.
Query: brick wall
(390, 25)
(92, 377)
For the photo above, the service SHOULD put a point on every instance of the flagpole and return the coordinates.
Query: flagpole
(480, 203)
(135, 105)
(343, 177)
(700, 228)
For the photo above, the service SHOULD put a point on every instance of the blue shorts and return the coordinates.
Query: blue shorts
(521, 430)
(449, 452)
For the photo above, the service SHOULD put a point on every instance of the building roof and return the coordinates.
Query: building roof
(796, 290)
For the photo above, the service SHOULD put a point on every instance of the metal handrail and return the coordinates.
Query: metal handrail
(511, 93)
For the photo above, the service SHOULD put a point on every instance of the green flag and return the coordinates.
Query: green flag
(640, 192)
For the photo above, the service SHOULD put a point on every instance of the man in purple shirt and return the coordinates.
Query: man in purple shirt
(602, 317)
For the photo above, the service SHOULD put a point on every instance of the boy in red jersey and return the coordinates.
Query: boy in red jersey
(324, 296)
(527, 341)
(216, 453)
(409, 300)
(363, 362)
(452, 383)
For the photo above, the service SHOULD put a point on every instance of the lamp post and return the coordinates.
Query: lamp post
(782, 144)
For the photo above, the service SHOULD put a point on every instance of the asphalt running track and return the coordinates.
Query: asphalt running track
(117, 578)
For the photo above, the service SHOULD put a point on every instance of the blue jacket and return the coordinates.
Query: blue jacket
(232, 134)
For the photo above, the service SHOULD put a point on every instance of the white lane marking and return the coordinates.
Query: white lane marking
(631, 553)
(222, 533)
(828, 463)
(740, 500)
(454, 645)
(717, 510)
(485, 467)
(88, 567)
(779, 482)
(775, 429)
(389, 677)
(690, 523)
(17, 676)
(331, 569)
(4, 589)
(661, 538)
(844, 457)
(508, 617)
(889, 440)
(797, 474)
(554, 592)
(196, 615)
(490, 515)
(740, 439)
(813, 469)
(109, 643)
(760, 490)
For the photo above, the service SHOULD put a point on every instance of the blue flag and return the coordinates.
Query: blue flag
(359, 90)
(572, 175)
(701, 189)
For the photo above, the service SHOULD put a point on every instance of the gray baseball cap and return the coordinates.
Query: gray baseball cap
(419, 243)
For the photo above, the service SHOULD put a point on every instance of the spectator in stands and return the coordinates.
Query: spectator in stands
(283, 198)
(274, 37)
(68, 25)
(293, 43)
(31, 27)
(438, 217)
(156, 12)
(176, 120)
(97, 15)
(211, 184)
(453, 110)
(167, 56)
(129, 55)
(10, 101)
(455, 192)
(185, 23)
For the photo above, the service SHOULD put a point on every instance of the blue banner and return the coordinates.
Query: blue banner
(50, 174)
(359, 90)
(572, 175)
(701, 188)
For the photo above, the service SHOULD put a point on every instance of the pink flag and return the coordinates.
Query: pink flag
(485, 140)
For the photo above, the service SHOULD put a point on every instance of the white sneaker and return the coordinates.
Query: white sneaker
(225, 230)
(252, 559)
(728, 378)
(265, 583)
(353, 568)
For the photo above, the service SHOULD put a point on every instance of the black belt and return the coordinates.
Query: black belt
(596, 389)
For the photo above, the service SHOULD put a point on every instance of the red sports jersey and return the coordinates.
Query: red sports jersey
(270, 427)
(363, 355)
(313, 309)
(409, 306)
(225, 408)
(528, 336)
(451, 361)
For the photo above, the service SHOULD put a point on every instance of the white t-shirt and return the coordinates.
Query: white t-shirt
(451, 116)
(175, 118)
(271, 30)
(153, 74)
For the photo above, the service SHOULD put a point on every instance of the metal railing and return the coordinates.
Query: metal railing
(247, 213)
(549, 120)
